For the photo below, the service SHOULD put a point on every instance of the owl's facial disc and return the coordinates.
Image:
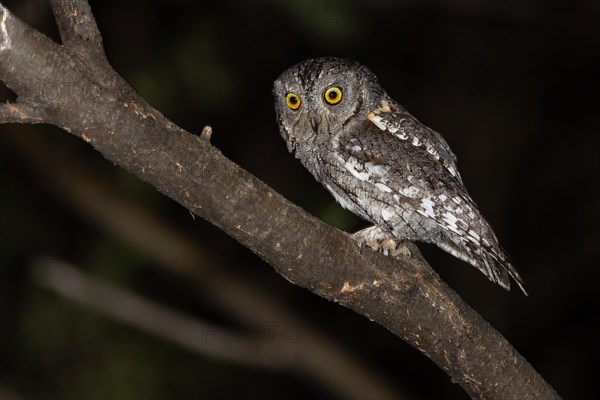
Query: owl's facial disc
(319, 97)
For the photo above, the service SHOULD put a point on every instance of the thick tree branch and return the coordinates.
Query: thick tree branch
(70, 180)
(406, 296)
(18, 113)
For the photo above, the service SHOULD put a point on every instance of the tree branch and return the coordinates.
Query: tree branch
(70, 180)
(406, 295)
(18, 113)
(77, 26)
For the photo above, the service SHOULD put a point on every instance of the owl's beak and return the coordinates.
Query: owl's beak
(291, 144)
(314, 124)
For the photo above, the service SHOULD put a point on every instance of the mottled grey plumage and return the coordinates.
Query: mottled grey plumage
(382, 164)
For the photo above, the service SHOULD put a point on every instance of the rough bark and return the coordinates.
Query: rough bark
(73, 87)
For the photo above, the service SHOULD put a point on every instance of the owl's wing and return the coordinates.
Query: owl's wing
(392, 117)
(471, 238)
(466, 233)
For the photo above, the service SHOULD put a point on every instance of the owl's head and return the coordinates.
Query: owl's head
(317, 98)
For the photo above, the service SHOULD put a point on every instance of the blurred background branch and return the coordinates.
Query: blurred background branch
(194, 335)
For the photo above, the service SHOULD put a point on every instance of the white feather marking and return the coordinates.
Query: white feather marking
(386, 215)
(351, 165)
(341, 201)
(453, 222)
(336, 142)
(410, 191)
(433, 152)
(384, 124)
(449, 218)
(474, 235)
(451, 169)
(362, 176)
(375, 170)
(442, 197)
(377, 120)
(402, 135)
(427, 205)
(383, 187)
(453, 229)
(391, 128)
(356, 148)
(457, 199)
(415, 141)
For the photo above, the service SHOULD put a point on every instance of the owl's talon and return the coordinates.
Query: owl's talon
(377, 240)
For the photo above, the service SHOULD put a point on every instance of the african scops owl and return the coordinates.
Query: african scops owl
(382, 164)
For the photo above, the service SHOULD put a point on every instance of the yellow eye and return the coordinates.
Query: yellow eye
(333, 95)
(293, 101)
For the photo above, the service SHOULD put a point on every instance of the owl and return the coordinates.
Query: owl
(382, 164)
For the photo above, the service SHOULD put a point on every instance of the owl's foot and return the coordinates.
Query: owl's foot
(378, 240)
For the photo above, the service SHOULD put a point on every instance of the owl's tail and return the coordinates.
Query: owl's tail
(491, 261)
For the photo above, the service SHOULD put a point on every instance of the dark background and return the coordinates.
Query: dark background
(513, 87)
